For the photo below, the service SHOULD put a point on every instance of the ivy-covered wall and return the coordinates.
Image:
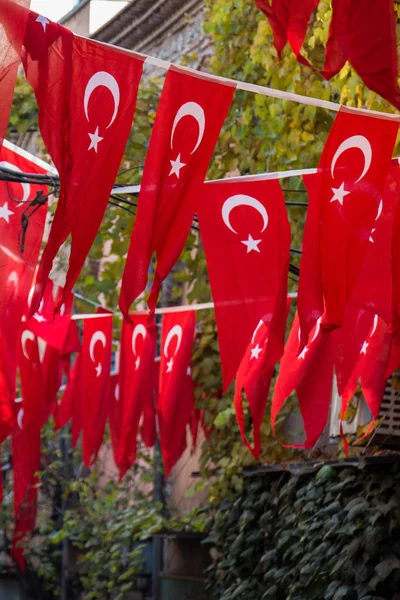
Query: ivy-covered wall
(333, 534)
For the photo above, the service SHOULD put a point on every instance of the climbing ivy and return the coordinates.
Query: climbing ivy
(330, 535)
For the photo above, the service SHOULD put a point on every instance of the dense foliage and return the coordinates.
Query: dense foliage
(333, 535)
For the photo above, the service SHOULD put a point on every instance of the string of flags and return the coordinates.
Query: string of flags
(348, 303)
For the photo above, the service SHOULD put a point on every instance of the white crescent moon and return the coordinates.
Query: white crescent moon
(355, 141)
(102, 78)
(194, 110)
(243, 200)
(380, 207)
(99, 336)
(26, 335)
(375, 325)
(20, 418)
(25, 186)
(140, 330)
(116, 392)
(256, 331)
(176, 331)
(317, 329)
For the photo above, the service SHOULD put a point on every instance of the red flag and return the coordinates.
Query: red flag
(352, 173)
(70, 406)
(372, 46)
(365, 345)
(148, 429)
(86, 93)
(175, 405)
(189, 118)
(135, 384)
(10, 48)
(255, 373)
(95, 373)
(289, 21)
(360, 31)
(59, 337)
(246, 236)
(373, 290)
(16, 270)
(115, 414)
(308, 371)
(26, 440)
(372, 367)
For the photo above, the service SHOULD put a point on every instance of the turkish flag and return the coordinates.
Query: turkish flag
(10, 48)
(16, 270)
(176, 401)
(115, 414)
(70, 406)
(189, 118)
(136, 384)
(309, 372)
(246, 236)
(148, 428)
(59, 338)
(95, 373)
(86, 93)
(373, 290)
(360, 31)
(289, 21)
(346, 194)
(26, 440)
(364, 33)
(255, 373)
(367, 346)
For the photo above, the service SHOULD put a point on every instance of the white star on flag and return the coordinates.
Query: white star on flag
(189, 371)
(364, 348)
(137, 363)
(95, 139)
(251, 244)
(371, 239)
(255, 352)
(5, 213)
(43, 21)
(339, 193)
(98, 370)
(170, 364)
(303, 353)
(176, 166)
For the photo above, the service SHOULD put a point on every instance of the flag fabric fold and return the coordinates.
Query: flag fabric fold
(308, 370)
(176, 400)
(189, 118)
(136, 385)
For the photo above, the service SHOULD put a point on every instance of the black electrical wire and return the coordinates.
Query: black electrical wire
(130, 169)
(10, 176)
(122, 207)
